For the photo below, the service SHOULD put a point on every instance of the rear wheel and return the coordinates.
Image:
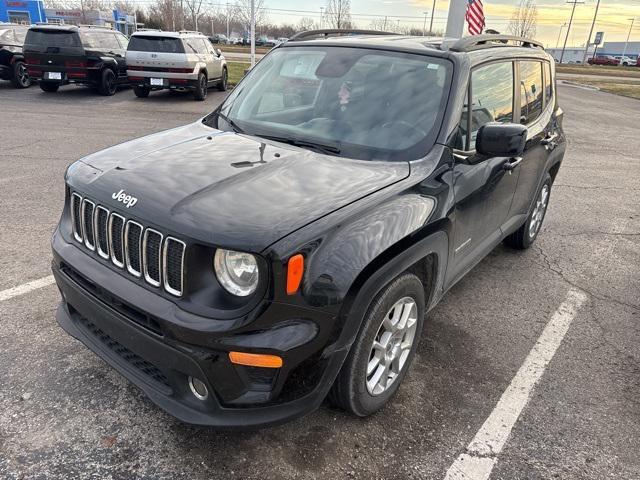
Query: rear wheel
(108, 83)
(20, 78)
(49, 86)
(141, 92)
(524, 237)
(222, 84)
(382, 352)
(200, 92)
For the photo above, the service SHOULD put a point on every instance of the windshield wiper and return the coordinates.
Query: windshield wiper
(327, 149)
(231, 123)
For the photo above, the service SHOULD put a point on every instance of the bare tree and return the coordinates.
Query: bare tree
(305, 24)
(524, 20)
(338, 13)
(194, 7)
(243, 12)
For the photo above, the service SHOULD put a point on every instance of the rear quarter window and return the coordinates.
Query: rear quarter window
(139, 43)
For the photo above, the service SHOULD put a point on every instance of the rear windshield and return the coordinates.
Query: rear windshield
(53, 38)
(139, 43)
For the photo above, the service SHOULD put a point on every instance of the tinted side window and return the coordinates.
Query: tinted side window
(548, 84)
(491, 97)
(192, 45)
(530, 91)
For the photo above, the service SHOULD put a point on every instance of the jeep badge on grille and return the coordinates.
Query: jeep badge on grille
(128, 200)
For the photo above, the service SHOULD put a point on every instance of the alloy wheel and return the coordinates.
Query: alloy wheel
(23, 75)
(538, 212)
(392, 345)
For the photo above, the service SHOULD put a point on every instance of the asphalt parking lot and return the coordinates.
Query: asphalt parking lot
(65, 414)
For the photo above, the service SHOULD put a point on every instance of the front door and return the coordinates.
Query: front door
(483, 186)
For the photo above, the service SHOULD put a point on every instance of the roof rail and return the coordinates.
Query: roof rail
(189, 31)
(148, 30)
(475, 42)
(107, 27)
(335, 32)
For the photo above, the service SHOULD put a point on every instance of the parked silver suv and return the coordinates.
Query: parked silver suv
(182, 60)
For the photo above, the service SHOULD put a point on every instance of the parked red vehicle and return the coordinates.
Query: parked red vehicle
(603, 60)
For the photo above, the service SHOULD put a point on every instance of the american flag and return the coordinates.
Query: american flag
(475, 16)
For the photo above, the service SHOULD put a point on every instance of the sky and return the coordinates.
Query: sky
(613, 16)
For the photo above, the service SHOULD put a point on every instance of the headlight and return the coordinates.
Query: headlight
(236, 271)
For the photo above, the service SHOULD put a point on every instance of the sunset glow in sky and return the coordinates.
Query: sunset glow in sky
(613, 16)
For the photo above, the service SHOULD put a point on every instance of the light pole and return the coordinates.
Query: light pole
(433, 12)
(228, 20)
(253, 33)
(560, 33)
(321, 18)
(624, 51)
(593, 23)
(573, 10)
(424, 25)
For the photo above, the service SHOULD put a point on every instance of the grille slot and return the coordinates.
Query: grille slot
(173, 265)
(76, 219)
(151, 246)
(116, 239)
(143, 252)
(88, 207)
(133, 242)
(102, 231)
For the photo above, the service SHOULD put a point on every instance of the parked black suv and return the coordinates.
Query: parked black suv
(12, 65)
(288, 245)
(88, 55)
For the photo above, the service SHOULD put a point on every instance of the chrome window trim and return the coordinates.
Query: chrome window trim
(115, 261)
(102, 253)
(77, 235)
(167, 287)
(145, 263)
(90, 246)
(130, 269)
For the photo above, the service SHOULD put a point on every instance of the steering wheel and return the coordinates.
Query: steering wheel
(404, 126)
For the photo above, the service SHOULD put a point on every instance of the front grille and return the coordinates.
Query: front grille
(144, 252)
(148, 369)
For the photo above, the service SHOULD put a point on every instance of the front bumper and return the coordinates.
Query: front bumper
(158, 346)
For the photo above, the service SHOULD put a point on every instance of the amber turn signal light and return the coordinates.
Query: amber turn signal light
(295, 269)
(255, 359)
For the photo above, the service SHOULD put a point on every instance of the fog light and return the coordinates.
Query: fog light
(198, 388)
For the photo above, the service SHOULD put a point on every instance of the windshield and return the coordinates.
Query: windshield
(352, 102)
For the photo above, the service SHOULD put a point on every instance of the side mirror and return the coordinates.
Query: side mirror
(501, 139)
(218, 52)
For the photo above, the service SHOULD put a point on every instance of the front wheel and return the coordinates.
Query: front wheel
(524, 237)
(20, 78)
(49, 86)
(382, 352)
(200, 92)
(108, 83)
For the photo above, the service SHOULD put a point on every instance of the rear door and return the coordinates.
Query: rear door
(536, 115)
(214, 63)
(483, 188)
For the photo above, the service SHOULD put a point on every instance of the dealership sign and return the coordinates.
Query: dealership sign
(598, 39)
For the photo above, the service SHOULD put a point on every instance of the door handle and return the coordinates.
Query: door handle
(512, 163)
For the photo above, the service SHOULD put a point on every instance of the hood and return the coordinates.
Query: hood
(226, 189)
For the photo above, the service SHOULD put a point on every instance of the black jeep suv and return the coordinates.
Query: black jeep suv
(88, 55)
(287, 246)
(12, 65)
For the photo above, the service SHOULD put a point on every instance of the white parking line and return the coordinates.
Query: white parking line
(482, 453)
(26, 288)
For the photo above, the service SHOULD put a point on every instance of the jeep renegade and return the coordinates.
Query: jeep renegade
(287, 246)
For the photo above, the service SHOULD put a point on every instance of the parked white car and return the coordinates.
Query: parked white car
(182, 60)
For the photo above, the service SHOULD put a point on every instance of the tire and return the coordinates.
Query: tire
(524, 237)
(200, 92)
(141, 92)
(222, 84)
(108, 83)
(356, 389)
(49, 86)
(20, 77)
